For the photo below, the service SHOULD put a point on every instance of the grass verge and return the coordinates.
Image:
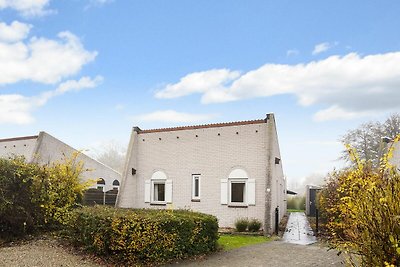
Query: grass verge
(229, 242)
(295, 210)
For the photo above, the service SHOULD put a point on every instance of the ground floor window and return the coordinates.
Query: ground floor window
(101, 184)
(195, 187)
(237, 191)
(158, 191)
(116, 185)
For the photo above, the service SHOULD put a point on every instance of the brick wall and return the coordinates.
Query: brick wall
(213, 153)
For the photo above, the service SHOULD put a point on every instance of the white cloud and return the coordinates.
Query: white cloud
(39, 59)
(322, 47)
(319, 48)
(14, 32)
(27, 8)
(338, 113)
(17, 109)
(292, 52)
(348, 86)
(173, 116)
(199, 82)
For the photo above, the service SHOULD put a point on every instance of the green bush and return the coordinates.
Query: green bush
(241, 224)
(144, 236)
(254, 225)
(34, 197)
(18, 212)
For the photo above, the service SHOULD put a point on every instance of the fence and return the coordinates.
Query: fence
(94, 196)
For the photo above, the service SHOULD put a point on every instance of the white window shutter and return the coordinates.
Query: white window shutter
(168, 191)
(251, 192)
(147, 191)
(224, 191)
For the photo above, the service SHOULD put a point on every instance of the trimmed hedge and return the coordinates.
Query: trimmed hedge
(144, 236)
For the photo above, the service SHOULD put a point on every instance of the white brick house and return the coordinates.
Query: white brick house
(230, 170)
(44, 148)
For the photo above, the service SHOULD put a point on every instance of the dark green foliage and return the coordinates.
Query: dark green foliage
(241, 224)
(34, 197)
(144, 236)
(254, 225)
(18, 212)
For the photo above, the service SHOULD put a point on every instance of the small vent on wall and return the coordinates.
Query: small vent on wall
(277, 160)
(133, 171)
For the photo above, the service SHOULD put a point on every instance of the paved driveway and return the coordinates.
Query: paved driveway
(274, 253)
(298, 248)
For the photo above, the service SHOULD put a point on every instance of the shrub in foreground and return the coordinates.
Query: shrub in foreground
(241, 224)
(34, 197)
(362, 211)
(254, 225)
(144, 236)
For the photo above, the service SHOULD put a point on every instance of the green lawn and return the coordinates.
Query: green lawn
(294, 210)
(228, 242)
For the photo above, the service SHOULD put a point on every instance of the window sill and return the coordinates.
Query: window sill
(195, 200)
(158, 204)
(237, 205)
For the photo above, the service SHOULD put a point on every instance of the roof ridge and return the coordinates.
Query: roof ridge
(202, 126)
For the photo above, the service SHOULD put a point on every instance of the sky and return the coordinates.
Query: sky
(87, 71)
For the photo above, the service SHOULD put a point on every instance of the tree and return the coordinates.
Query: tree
(112, 154)
(368, 140)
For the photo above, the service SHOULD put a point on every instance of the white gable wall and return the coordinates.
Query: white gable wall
(22, 147)
(50, 149)
(212, 156)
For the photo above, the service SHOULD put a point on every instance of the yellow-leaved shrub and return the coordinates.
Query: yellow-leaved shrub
(361, 210)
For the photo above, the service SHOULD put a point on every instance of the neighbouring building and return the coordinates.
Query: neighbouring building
(396, 154)
(231, 170)
(311, 199)
(44, 148)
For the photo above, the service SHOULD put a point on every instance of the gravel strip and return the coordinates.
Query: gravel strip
(42, 252)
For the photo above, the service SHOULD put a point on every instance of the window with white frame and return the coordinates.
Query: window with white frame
(158, 190)
(116, 185)
(101, 184)
(196, 187)
(238, 189)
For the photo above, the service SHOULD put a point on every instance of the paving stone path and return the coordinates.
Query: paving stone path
(297, 248)
(274, 253)
(298, 230)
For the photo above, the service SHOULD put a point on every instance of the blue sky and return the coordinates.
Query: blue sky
(86, 71)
